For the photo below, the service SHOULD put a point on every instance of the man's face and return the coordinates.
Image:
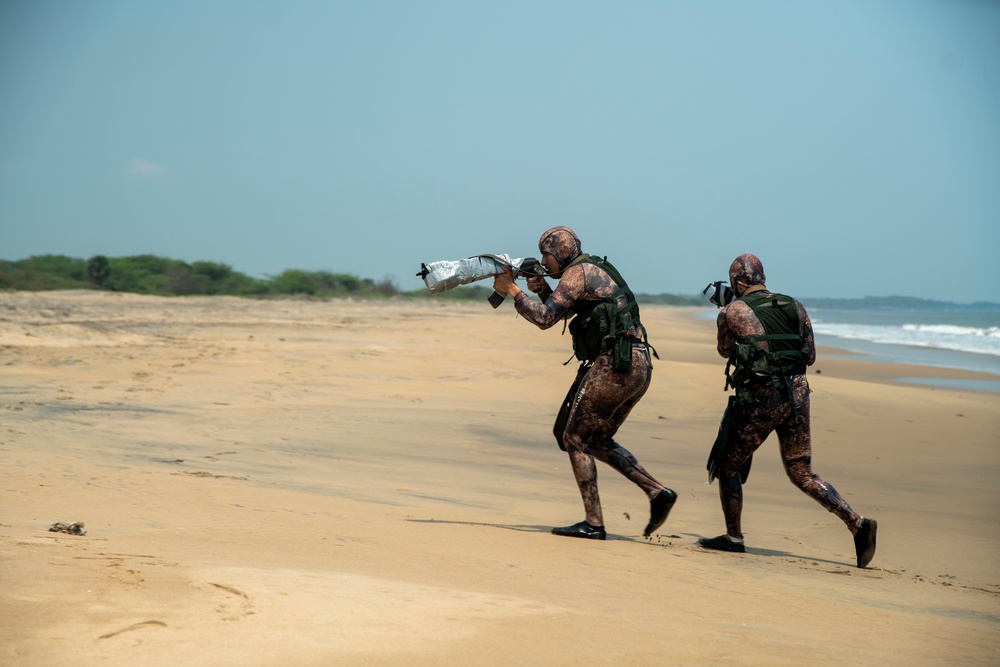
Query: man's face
(550, 263)
(737, 285)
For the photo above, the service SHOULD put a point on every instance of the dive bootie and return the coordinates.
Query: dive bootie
(582, 529)
(722, 543)
(864, 542)
(659, 508)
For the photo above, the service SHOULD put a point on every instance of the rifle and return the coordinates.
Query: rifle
(444, 275)
(719, 293)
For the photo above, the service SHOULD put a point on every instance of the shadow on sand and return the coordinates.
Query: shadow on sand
(751, 551)
(520, 528)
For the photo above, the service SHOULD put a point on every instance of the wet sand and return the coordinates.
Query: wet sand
(313, 483)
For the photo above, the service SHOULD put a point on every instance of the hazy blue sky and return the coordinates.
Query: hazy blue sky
(853, 145)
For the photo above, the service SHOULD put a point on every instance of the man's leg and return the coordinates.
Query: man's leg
(661, 498)
(624, 462)
(585, 473)
(605, 403)
(742, 446)
(751, 425)
(796, 455)
(581, 462)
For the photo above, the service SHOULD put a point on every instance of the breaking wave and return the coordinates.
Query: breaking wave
(979, 340)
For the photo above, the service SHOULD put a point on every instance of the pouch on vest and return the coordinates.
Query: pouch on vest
(622, 359)
(606, 326)
(590, 330)
(752, 362)
(583, 341)
(751, 366)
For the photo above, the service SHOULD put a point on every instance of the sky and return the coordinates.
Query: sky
(854, 146)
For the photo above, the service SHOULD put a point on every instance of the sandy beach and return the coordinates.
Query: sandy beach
(306, 482)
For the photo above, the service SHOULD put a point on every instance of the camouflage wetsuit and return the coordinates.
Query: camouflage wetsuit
(770, 397)
(770, 410)
(605, 397)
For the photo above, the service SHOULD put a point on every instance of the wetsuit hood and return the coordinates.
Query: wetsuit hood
(749, 268)
(562, 243)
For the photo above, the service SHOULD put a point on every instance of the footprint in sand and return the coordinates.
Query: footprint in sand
(229, 614)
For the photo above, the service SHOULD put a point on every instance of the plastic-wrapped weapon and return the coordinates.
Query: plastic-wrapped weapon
(719, 293)
(447, 274)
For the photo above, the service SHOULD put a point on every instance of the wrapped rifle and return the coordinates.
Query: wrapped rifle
(446, 274)
(719, 293)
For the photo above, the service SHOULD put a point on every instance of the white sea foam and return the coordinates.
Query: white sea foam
(952, 330)
(979, 340)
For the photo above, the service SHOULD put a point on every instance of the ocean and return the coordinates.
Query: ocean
(963, 339)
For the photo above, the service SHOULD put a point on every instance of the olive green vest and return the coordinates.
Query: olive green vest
(606, 325)
(779, 316)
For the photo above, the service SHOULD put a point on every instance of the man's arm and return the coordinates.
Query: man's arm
(540, 286)
(738, 321)
(555, 305)
(726, 339)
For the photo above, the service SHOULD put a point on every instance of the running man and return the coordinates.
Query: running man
(615, 370)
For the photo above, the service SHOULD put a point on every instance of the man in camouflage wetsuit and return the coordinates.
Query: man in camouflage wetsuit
(602, 397)
(770, 400)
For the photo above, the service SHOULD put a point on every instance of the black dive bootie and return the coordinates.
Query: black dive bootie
(582, 529)
(864, 542)
(659, 508)
(722, 543)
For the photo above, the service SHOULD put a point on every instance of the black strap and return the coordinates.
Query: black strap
(567, 405)
(721, 446)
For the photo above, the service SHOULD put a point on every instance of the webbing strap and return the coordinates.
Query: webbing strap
(767, 337)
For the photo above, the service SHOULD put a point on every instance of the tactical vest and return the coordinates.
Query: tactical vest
(750, 365)
(607, 325)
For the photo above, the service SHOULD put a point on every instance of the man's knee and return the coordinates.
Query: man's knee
(799, 470)
(573, 442)
(741, 446)
(615, 455)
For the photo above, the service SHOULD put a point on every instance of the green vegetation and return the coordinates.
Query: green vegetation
(45, 272)
(150, 274)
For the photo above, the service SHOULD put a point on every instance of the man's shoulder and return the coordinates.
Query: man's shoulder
(737, 306)
(735, 309)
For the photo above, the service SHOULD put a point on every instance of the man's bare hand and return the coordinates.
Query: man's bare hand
(502, 282)
(536, 283)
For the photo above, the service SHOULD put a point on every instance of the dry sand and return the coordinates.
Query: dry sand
(350, 483)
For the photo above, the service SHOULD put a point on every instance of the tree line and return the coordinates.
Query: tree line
(151, 274)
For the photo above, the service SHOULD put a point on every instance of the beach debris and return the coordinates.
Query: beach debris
(71, 528)
(134, 626)
(212, 475)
